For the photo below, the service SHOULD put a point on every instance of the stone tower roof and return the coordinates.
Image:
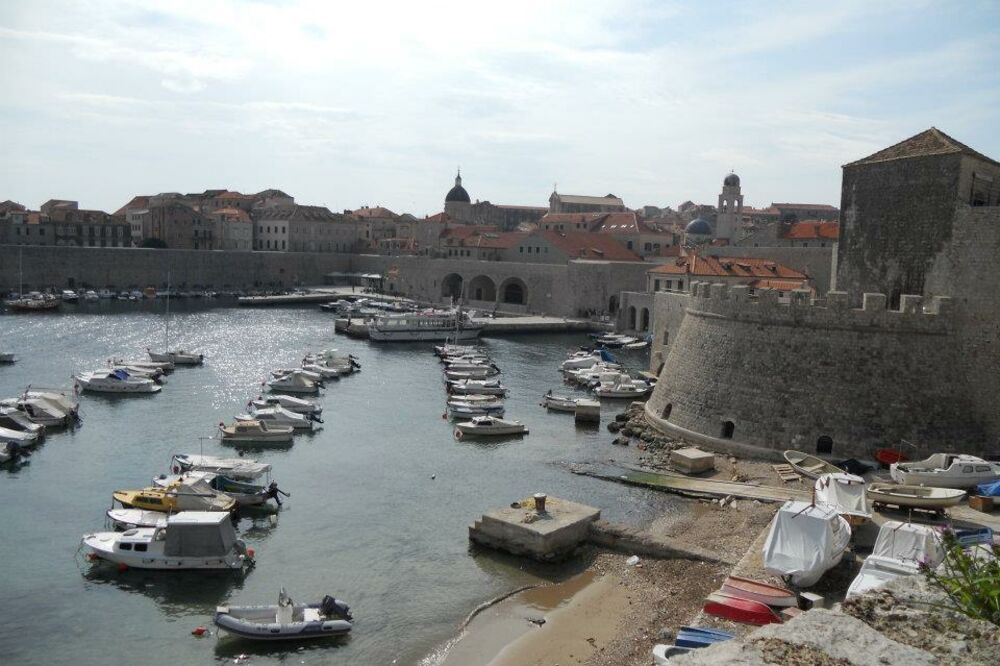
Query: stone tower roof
(927, 143)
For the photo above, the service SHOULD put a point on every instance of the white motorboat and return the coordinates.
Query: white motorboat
(466, 360)
(332, 358)
(293, 382)
(623, 388)
(323, 371)
(805, 540)
(255, 432)
(899, 550)
(114, 381)
(301, 372)
(490, 426)
(244, 493)
(470, 410)
(600, 372)
(36, 410)
(177, 357)
(7, 357)
(449, 349)
(919, 497)
(846, 494)
(417, 326)
(17, 420)
(289, 402)
(22, 438)
(483, 372)
(188, 540)
(128, 519)
(287, 621)
(559, 403)
(9, 451)
(140, 371)
(146, 364)
(586, 359)
(277, 416)
(70, 296)
(90, 295)
(105, 294)
(243, 469)
(945, 470)
(615, 340)
(483, 386)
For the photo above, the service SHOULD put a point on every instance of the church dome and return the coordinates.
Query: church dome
(457, 193)
(698, 227)
(731, 179)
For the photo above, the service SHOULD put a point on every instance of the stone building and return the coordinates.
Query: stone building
(233, 229)
(459, 208)
(907, 350)
(790, 212)
(304, 229)
(573, 203)
(807, 233)
(730, 209)
(180, 226)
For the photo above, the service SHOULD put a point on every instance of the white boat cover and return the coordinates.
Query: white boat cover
(844, 492)
(804, 541)
(909, 543)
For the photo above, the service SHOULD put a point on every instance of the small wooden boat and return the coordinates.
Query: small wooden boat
(255, 432)
(130, 519)
(662, 653)
(286, 621)
(699, 637)
(190, 495)
(772, 595)
(559, 403)
(921, 497)
(889, 456)
(739, 610)
(808, 465)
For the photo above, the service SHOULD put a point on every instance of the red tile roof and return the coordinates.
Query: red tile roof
(714, 266)
(811, 230)
(136, 202)
(586, 245)
(622, 222)
(241, 215)
(780, 285)
(466, 230)
(442, 217)
(492, 240)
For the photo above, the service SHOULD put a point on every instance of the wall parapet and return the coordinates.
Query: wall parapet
(915, 313)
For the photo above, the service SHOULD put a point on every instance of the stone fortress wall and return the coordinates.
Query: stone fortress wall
(770, 375)
(868, 366)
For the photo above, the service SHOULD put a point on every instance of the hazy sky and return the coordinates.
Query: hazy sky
(352, 103)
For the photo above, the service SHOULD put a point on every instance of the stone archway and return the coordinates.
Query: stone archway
(630, 321)
(645, 320)
(482, 288)
(514, 291)
(451, 286)
(613, 305)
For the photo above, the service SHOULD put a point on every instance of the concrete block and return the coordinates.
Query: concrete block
(940, 305)
(739, 293)
(552, 535)
(717, 291)
(692, 460)
(588, 411)
(874, 302)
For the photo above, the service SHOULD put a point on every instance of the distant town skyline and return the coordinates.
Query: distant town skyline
(378, 104)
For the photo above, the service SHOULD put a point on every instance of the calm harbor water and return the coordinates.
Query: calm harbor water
(366, 522)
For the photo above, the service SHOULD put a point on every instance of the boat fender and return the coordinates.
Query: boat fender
(251, 553)
(199, 631)
(176, 469)
(122, 567)
(458, 434)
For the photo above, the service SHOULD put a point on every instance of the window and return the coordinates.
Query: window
(124, 546)
(824, 444)
(666, 410)
(142, 547)
(656, 285)
(629, 245)
(680, 284)
(666, 337)
(728, 428)
(648, 247)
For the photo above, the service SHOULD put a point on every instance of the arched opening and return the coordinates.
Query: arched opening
(666, 410)
(824, 444)
(482, 288)
(728, 428)
(613, 305)
(666, 337)
(451, 286)
(630, 323)
(645, 319)
(514, 291)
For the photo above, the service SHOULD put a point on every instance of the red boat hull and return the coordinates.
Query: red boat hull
(739, 610)
(770, 595)
(889, 456)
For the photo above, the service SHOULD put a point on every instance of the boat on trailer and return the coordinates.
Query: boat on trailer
(286, 621)
(945, 470)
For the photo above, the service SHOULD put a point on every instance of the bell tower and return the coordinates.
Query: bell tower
(730, 209)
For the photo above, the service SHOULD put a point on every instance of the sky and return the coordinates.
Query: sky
(378, 103)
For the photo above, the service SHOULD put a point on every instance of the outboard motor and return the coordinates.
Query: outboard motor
(313, 416)
(334, 608)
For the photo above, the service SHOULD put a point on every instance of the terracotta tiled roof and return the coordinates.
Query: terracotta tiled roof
(609, 200)
(442, 217)
(466, 230)
(240, 215)
(136, 202)
(377, 211)
(811, 230)
(929, 142)
(495, 241)
(622, 222)
(714, 266)
(586, 245)
(9, 205)
(299, 213)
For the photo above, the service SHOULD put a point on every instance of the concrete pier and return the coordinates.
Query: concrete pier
(549, 535)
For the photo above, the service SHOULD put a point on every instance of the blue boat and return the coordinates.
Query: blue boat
(698, 637)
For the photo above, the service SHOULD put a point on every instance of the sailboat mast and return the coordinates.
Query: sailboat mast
(166, 333)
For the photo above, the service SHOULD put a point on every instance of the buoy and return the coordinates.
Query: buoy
(199, 631)
(251, 552)
(122, 567)
(92, 557)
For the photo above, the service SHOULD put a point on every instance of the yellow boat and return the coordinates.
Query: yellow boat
(178, 496)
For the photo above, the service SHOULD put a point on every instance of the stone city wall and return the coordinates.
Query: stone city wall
(127, 268)
(754, 374)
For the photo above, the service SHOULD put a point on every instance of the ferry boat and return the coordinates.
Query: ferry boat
(420, 326)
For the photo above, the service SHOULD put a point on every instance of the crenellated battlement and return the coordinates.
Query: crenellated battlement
(914, 314)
